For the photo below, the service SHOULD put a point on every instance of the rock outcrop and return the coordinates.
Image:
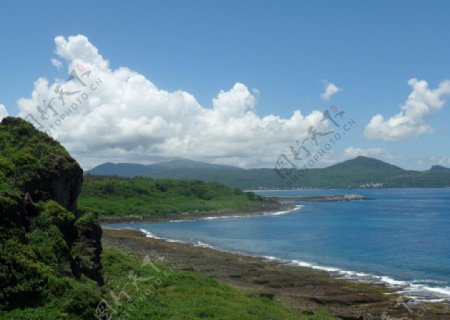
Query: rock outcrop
(46, 170)
(43, 236)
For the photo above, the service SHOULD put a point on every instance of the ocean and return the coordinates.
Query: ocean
(400, 237)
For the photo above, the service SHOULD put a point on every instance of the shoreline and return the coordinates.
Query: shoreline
(399, 287)
(272, 205)
(254, 211)
(301, 287)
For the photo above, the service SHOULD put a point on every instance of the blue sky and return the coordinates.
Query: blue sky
(286, 50)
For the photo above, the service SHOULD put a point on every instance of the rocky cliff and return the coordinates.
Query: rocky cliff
(47, 246)
(39, 165)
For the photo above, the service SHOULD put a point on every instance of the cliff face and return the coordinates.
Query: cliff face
(43, 236)
(57, 183)
(39, 165)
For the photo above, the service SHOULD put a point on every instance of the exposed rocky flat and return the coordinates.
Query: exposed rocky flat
(303, 289)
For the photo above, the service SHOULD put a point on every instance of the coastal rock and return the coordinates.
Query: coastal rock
(57, 183)
(44, 237)
(88, 241)
(41, 167)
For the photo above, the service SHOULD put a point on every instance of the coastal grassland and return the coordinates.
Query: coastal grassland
(135, 290)
(113, 196)
(161, 292)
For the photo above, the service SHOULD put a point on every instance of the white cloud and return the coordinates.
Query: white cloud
(379, 153)
(128, 118)
(58, 64)
(3, 112)
(330, 90)
(411, 120)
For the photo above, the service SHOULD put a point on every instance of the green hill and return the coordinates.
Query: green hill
(354, 173)
(366, 164)
(437, 168)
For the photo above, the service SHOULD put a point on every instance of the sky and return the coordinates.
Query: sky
(232, 82)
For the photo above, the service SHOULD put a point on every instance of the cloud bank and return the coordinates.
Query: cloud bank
(411, 120)
(121, 115)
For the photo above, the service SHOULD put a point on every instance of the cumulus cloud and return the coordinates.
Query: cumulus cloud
(3, 112)
(330, 90)
(102, 114)
(411, 120)
(58, 64)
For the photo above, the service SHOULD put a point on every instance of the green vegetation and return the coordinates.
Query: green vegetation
(155, 291)
(41, 275)
(27, 154)
(165, 293)
(112, 196)
(348, 174)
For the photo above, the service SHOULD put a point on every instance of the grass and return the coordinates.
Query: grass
(137, 291)
(183, 295)
(113, 196)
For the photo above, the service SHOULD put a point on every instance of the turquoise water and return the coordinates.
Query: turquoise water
(401, 237)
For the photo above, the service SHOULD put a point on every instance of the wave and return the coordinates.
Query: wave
(418, 290)
(195, 243)
(148, 234)
(269, 213)
(198, 243)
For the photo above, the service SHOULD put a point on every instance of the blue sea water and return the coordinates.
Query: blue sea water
(400, 237)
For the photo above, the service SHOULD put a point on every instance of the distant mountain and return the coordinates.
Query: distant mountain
(366, 163)
(439, 169)
(355, 173)
(189, 164)
(177, 167)
(120, 169)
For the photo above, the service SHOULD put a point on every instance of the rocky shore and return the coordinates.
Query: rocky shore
(303, 289)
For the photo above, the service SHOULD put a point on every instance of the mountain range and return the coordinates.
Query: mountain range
(355, 173)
